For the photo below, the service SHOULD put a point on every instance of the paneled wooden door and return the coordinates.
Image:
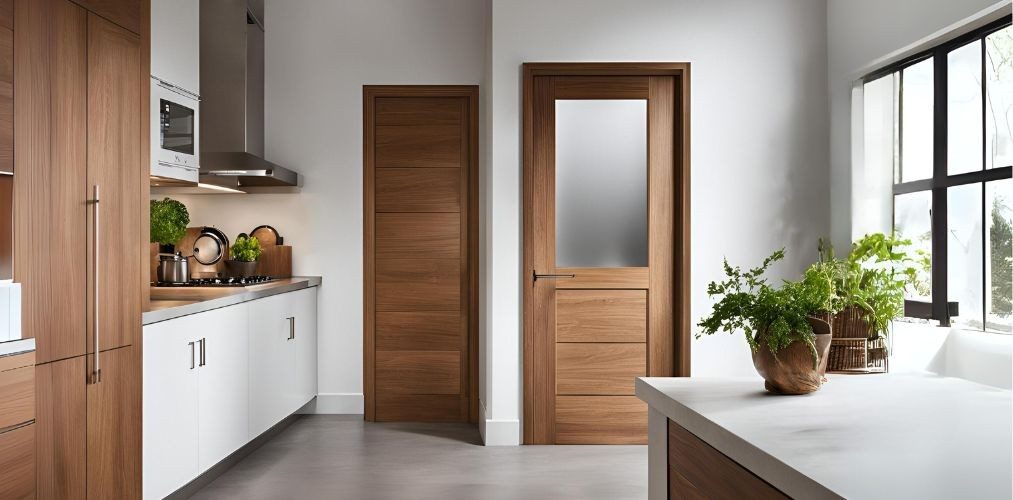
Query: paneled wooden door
(606, 245)
(420, 253)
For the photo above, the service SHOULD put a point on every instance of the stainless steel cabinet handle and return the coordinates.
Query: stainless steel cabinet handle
(192, 349)
(203, 343)
(96, 374)
(537, 276)
(291, 327)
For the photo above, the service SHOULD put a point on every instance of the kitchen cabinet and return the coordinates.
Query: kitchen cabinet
(175, 42)
(216, 380)
(195, 371)
(80, 74)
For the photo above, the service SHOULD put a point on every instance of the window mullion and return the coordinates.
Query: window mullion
(939, 202)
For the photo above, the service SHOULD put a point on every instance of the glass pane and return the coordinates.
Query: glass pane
(963, 119)
(912, 220)
(999, 256)
(177, 127)
(601, 183)
(916, 127)
(965, 251)
(999, 95)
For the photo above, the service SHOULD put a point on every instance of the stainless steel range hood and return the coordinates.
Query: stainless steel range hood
(232, 100)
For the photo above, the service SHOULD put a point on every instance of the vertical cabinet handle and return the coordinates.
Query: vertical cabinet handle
(192, 349)
(96, 374)
(203, 342)
(291, 327)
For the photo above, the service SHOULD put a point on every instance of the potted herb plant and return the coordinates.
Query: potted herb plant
(870, 284)
(245, 251)
(169, 219)
(782, 325)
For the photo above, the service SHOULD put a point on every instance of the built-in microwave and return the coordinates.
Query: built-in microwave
(174, 133)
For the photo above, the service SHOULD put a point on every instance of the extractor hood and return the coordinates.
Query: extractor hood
(232, 99)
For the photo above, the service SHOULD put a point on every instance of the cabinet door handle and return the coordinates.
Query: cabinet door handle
(192, 349)
(96, 374)
(203, 342)
(291, 327)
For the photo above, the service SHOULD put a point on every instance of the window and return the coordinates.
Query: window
(942, 122)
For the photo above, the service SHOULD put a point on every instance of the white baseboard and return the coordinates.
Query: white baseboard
(498, 432)
(335, 403)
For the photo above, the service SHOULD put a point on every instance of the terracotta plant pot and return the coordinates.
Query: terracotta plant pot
(792, 371)
(240, 269)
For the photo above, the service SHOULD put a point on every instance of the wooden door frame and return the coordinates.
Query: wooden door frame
(681, 208)
(369, 95)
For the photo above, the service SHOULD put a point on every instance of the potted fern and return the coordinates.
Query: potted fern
(782, 325)
(245, 251)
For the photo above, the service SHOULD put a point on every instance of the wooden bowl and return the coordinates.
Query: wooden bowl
(792, 371)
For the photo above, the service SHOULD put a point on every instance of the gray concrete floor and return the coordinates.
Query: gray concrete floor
(339, 457)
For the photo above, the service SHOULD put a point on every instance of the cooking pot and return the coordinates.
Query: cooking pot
(173, 268)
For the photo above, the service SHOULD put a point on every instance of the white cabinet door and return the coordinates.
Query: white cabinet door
(223, 392)
(306, 343)
(175, 42)
(272, 357)
(170, 407)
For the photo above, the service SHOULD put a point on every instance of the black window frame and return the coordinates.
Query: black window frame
(940, 308)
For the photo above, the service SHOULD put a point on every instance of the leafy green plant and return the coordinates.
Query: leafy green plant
(771, 318)
(245, 249)
(169, 220)
(873, 277)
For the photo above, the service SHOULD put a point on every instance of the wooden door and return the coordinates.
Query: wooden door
(114, 430)
(420, 252)
(605, 245)
(50, 120)
(114, 85)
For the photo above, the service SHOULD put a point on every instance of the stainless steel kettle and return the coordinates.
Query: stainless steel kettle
(173, 268)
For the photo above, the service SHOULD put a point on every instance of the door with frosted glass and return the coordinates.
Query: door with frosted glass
(600, 211)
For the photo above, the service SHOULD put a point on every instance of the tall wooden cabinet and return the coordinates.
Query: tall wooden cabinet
(80, 135)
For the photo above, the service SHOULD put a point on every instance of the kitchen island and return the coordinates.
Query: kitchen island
(872, 436)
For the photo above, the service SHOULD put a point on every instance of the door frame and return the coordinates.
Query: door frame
(369, 95)
(680, 71)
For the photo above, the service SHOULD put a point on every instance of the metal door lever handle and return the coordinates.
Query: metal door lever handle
(551, 276)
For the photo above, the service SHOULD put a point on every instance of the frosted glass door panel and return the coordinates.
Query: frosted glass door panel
(601, 183)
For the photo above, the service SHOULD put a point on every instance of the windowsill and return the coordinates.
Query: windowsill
(975, 355)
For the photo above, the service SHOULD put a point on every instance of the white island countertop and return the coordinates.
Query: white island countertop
(860, 436)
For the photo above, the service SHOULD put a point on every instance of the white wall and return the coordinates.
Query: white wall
(860, 32)
(759, 144)
(319, 53)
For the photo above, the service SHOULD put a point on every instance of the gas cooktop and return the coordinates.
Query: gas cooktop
(220, 282)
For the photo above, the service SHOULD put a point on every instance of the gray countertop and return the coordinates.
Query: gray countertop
(19, 346)
(168, 302)
(860, 436)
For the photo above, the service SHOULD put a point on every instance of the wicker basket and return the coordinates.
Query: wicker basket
(851, 350)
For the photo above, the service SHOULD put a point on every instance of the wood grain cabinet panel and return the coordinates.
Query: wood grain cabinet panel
(6, 89)
(125, 13)
(114, 431)
(418, 372)
(413, 146)
(407, 236)
(17, 463)
(418, 285)
(601, 315)
(418, 111)
(601, 420)
(698, 470)
(599, 369)
(62, 430)
(418, 331)
(418, 190)
(17, 396)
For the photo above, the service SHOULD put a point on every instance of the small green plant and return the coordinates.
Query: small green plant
(245, 249)
(771, 318)
(169, 219)
(873, 278)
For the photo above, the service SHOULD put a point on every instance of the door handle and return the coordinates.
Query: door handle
(203, 343)
(537, 276)
(96, 374)
(192, 349)
(291, 327)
